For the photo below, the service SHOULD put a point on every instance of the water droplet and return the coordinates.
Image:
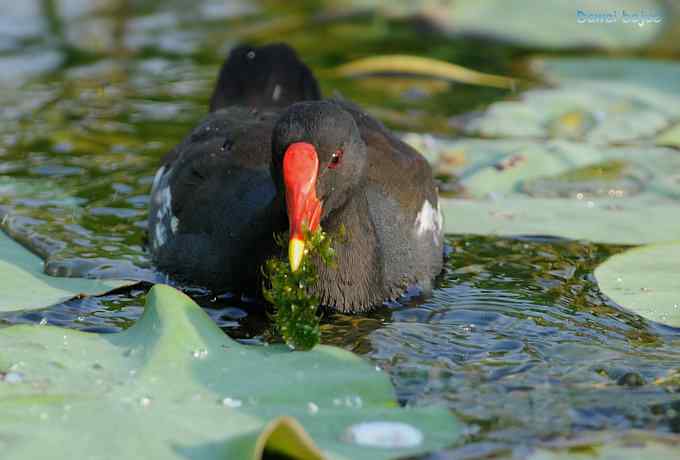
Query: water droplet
(44, 416)
(232, 402)
(349, 401)
(145, 401)
(200, 353)
(13, 377)
(312, 408)
(389, 435)
(354, 401)
(469, 328)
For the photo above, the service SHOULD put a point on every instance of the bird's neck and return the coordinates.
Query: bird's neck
(355, 282)
(354, 210)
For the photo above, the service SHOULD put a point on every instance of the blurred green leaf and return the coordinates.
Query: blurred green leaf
(632, 445)
(646, 281)
(623, 195)
(424, 67)
(670, 137)
(598, 100)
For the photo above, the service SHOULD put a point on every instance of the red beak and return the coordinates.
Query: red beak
(300, 170)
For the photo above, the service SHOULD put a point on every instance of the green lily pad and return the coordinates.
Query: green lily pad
(562, 218)
(670, 137)
(556, 172)
(621, 195)
(633, 445)
(546, 24)
(658, 75)
(25, 286)
(599, 101)
(646, 281)
(174, 386)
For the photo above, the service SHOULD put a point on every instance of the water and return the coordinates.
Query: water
(517, 339)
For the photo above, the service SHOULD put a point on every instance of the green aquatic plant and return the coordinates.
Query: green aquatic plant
(291, 293)
(608, 170)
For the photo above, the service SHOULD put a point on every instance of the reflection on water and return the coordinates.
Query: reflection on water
(517, 339)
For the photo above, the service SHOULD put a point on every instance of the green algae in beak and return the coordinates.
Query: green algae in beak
(292, 291)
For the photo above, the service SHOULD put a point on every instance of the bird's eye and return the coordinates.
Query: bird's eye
(335, 159)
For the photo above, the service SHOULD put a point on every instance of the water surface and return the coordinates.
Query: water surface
(517, 339)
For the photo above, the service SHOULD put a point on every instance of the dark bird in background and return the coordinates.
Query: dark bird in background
(272, 156)
(266, 77)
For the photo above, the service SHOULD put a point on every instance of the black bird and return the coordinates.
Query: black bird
(270, 76)
(273, 157)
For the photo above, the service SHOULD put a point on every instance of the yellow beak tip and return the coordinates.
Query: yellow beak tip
(296, 251)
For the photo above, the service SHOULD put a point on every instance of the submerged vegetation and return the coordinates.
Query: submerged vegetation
(292, 293)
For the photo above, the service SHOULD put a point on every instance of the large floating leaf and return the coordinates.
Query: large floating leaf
(25, 286)
(582, 189)
(645, 280)
(174, 386)
(600, 101)
(613, 195)
(549, 23)
(561, 218)
(633, 445)
(652, 74)
(670, 137)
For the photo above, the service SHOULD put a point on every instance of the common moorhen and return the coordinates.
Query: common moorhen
(272, 157)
